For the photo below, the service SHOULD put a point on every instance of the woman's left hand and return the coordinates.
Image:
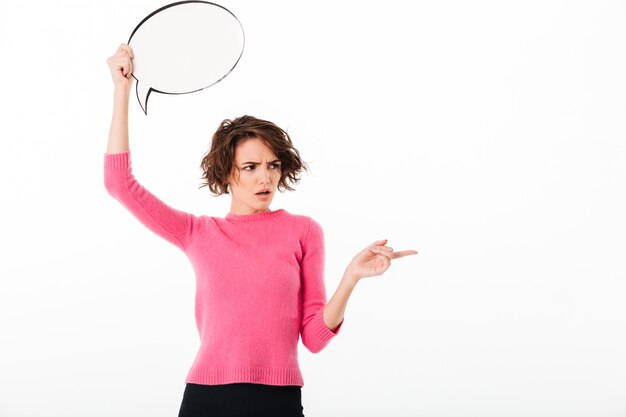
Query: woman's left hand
(375, 259)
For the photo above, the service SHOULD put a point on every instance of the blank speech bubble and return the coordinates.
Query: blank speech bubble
(184, 47)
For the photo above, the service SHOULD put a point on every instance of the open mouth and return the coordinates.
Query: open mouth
(263, 193)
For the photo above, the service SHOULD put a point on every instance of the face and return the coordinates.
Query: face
(260, 169)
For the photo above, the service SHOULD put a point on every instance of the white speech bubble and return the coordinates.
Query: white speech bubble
(184, 47)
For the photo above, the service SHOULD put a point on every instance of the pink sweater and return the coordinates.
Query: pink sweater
(259, 283)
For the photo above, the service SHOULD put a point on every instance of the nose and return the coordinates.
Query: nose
(265, 176)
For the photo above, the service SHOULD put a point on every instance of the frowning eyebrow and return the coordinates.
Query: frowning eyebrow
(258, 163)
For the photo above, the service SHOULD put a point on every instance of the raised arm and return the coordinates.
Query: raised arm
(121, 67)
(171, 224)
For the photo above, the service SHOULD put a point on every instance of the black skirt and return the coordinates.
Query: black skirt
(241, 399)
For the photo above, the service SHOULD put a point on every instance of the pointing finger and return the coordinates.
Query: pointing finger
(397, 255)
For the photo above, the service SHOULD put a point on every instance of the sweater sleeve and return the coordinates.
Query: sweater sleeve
(315, 334)
(173, 225)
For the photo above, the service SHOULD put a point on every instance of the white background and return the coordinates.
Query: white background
(489, 136)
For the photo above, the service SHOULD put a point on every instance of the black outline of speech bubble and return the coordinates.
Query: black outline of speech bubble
(186, 92)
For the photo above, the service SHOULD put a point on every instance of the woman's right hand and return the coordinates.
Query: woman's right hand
(121, 66)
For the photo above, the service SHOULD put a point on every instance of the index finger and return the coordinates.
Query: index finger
(403, 253)
(127, 48)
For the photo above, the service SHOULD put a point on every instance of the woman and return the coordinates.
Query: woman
(259, 273)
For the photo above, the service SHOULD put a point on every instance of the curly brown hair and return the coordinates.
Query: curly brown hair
(218, 163)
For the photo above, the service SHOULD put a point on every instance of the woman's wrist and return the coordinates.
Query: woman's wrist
(121, 89)
(350, 276)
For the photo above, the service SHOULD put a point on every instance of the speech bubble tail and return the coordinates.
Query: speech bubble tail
(142, 96)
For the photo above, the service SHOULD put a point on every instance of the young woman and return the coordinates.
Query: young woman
(259, 273)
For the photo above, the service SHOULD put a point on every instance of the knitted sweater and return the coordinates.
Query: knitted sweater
(259, 283)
